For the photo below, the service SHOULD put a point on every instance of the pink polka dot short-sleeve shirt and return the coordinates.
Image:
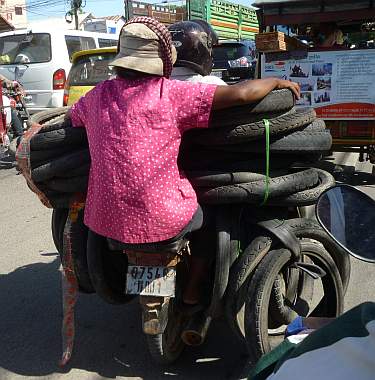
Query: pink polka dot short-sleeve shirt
(136, 193)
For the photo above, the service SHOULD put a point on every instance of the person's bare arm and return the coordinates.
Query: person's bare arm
(250, 92)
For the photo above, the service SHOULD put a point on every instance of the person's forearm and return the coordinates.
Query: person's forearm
(243, 93)
(249, 92)
(252, 91)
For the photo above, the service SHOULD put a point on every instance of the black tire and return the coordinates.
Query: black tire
(59, 200)
(59, 138)
(260, 286)
(230, 119)
(254, 192)
(279, 312)
(222, 261)
(292, 295)
(256, 164)
(247, 132)
(275, 101)
(60, 165)
(102, 272)
(310, 229)
(240, 272)
(166, 348)
(58, 221)
(83, 170)
(298, 142)
(205, 158)
(41, 157)
(58, 123)
(318, 125)
(214, 179)
(68, 185)
(78, 238)
(45, 117)
(302, 142)
(306, 197)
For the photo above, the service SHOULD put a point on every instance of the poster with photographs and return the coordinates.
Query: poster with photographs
(338, 84)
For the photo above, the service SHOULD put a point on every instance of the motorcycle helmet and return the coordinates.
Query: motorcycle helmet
(193, 41)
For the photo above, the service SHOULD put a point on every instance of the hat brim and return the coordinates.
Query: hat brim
(145, 65)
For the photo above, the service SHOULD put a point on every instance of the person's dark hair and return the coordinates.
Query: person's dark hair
(193, 41)
(128, 74)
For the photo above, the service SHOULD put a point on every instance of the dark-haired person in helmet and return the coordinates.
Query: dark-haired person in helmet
(194, 41)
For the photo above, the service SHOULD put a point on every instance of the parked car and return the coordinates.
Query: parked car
(89, 67)
(235, 59)
(40, 60)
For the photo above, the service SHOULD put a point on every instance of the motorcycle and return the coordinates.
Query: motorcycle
(270, 264)
(5, 120)
(17, 102)
(13, 99)
(280, 271)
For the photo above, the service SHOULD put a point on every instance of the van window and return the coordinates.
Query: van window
(91, 69)
(77, 43)
(104, 42)
(25, 48)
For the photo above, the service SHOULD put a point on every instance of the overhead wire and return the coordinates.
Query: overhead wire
(37, 4)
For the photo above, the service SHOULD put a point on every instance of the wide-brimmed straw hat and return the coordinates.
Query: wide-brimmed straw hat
(146, 46)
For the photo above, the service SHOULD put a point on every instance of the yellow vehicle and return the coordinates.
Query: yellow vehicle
(337, 78)
(89, 67)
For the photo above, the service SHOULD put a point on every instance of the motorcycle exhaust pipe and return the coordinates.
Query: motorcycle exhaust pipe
(195, 332)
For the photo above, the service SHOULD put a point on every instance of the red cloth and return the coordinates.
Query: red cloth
(136, 193)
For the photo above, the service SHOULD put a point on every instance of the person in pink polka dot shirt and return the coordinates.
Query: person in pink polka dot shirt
(134, 123)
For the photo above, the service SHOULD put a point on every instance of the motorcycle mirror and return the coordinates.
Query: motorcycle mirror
(348, 216)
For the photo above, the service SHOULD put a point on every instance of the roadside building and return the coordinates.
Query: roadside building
(108, 24)
(86, 21)
(14, 12)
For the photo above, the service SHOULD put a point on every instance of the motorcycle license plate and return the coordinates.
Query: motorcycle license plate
(151, 281)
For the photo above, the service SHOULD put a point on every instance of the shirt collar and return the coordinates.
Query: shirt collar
(182, 72)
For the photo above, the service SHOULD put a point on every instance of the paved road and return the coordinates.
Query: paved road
(109, 343)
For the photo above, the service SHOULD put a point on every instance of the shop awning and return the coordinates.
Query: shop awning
(289, 12)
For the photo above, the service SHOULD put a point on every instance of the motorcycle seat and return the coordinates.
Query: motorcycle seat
(173, 246)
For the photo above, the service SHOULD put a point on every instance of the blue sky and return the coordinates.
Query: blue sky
(97, 7)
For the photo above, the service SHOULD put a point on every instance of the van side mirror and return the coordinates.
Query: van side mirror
(348, 216)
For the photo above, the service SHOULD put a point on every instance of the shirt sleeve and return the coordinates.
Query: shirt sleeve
(193, 103)
(212, 79)
(84, 107)
(78, 112)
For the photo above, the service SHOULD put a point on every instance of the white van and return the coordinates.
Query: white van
(40, 61)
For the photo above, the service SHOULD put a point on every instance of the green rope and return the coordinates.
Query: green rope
(267, 191)
(239, 248)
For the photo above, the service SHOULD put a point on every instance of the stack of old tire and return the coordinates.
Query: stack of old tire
(59, 157)
(234, 162)
(225, 163)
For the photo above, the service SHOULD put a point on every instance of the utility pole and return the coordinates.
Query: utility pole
(76, 5)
